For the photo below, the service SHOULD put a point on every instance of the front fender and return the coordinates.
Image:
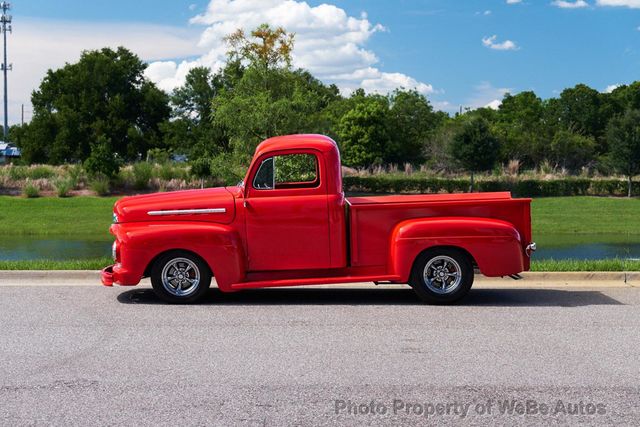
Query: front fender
(217, 244)
(495, 245)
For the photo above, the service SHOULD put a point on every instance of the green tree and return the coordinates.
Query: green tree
(192, 131)
(475, 146)
(623, 134)
(102, 97)
(411, 124)
(521, 126)
(363, 132)
(572, 151)
(269, 98)
(578, 109)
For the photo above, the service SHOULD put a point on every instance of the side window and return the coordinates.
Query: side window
(288, 171)
(264, 177)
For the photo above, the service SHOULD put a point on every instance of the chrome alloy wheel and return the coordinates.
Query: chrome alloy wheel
(180, 277)
(442, 275)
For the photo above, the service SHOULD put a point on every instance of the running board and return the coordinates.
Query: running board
(312, 281)
(516, 276)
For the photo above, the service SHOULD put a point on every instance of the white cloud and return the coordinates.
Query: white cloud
(328, 42)
(570, 4)
(632, 4)
(494, 105)
(486, 95)
(491, 43)
(611, 88)
(514, 1)
(38, 45)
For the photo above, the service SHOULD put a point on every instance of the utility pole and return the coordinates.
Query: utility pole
(5, 22)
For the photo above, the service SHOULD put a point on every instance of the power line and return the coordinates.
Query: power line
(5, 22)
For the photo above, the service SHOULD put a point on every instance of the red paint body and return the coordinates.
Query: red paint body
(289, 236)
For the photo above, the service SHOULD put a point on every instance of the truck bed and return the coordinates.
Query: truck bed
(373, 218)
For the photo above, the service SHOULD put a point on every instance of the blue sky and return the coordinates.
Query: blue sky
(444, 48)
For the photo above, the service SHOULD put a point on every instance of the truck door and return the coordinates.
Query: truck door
(287, 216)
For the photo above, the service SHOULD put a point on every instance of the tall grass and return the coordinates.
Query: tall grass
(615, 264)
(84, 264)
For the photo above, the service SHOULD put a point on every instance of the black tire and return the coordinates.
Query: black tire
(191, 277)
(452, 273)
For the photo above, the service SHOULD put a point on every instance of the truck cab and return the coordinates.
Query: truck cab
(289, 223)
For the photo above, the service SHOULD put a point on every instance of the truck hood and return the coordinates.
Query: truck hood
(211, 205)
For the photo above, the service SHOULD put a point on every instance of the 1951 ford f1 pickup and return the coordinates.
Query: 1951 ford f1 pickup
(289, 223)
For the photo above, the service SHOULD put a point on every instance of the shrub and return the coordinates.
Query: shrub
(102, 160)
(142, 174)
(520, 188)
(63, 186)
(158, 155)
(40, 172)
(76, 175)
(201, 169)
(100, 185)
(31, 191)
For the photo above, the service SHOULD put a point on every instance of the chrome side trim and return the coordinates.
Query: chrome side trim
(187, 212)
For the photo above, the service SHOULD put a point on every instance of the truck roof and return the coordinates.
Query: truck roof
(318, 142)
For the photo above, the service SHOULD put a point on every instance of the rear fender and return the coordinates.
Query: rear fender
(495, 245)
(217, 244)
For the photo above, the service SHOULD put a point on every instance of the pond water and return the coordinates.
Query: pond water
(582, 246)
(18, 248)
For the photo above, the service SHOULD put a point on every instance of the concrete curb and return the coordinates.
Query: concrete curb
(530, 279)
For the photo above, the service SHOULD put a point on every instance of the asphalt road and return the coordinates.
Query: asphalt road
(93, 356)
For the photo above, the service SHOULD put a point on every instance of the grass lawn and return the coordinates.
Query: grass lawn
(586, 215)
(75, 216)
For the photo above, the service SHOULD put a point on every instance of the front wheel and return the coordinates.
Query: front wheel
(180, 277)
(442, 275)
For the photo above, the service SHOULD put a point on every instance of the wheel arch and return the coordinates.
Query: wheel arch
(217, 245)
(494, 246)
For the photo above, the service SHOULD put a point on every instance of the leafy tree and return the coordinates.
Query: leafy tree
(191, 131)
(102, 97)
(363, 132)
(269, 98)
(475, 146)
(623, 134)
(267, 48)
(411, 123)
(578, 109)
(521, 126)
(572, 151)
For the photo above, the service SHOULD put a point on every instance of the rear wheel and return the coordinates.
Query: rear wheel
(442, 275)
(180, 277)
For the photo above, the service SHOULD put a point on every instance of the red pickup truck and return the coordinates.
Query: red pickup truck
(289, 223)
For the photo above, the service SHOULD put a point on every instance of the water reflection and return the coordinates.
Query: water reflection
(18, 248)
